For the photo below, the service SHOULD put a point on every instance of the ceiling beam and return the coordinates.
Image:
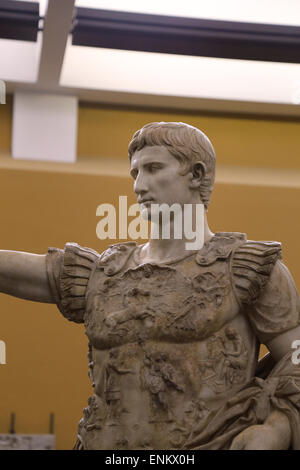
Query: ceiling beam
(57, 26)
(186, 36)
(19, 20)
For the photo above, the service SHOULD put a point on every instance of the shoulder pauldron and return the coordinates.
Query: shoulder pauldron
(252, 263)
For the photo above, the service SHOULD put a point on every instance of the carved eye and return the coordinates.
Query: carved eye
(154, 167)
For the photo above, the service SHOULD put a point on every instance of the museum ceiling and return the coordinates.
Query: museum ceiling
(220, 55)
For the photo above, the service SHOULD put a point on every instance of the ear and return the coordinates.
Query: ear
(198, 171)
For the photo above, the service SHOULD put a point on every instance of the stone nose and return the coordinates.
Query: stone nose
(141, 185)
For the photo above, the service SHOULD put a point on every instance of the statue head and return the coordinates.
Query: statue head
(187, 144)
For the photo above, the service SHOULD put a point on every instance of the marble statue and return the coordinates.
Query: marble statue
(174, 334)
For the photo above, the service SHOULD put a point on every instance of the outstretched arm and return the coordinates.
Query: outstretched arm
(24, 275)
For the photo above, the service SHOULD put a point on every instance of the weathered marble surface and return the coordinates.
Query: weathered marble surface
(27, 442)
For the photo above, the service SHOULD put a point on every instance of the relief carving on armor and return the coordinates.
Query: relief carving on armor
(133, 299)
(226, 360)
(212, 286)
(199, 309)
(150, 300)
(91, 364)
(114, 369)
(159, 377)
(195, 412)
(224, 366)
(93, 414)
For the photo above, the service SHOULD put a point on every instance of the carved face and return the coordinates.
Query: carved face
(157, 178)
(231, 333)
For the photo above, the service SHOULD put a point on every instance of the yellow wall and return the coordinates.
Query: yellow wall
(46, 368)
(5, 125)
(237, 140)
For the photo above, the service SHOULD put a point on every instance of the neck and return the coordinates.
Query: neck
(161, 249)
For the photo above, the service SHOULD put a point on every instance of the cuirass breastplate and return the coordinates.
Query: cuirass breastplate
(168, 345)
(162, 303)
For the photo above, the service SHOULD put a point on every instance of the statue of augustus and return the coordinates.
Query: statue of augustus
(174, 334)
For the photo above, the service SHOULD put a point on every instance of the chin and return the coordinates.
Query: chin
(146, 213)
